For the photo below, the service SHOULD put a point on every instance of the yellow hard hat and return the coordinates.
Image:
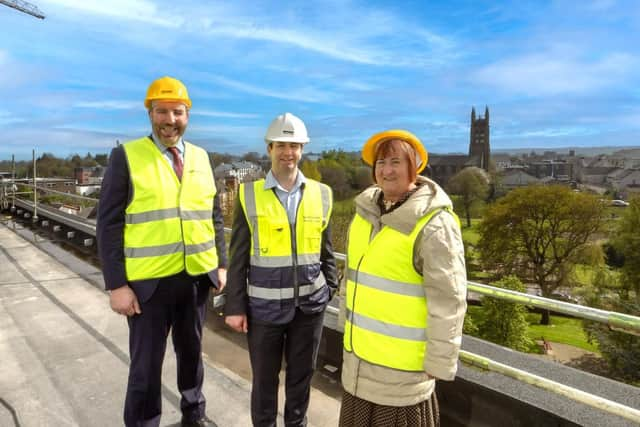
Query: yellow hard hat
(167, 89)
(369, 149)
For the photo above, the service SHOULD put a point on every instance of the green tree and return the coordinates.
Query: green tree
(469, 327)
(252, 156)
(310, 170)
(472, 185)
(102, 159)
(621, 350)
(217, 159)
(627, 243)
(89, 161)
(335, 176)
(362, 178)
(505, 322)
(537, 232)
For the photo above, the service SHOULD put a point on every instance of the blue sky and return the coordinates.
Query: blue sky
(553, 73)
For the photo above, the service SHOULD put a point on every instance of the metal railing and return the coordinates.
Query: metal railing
(592, 400)
(61, 193)
(618, 321)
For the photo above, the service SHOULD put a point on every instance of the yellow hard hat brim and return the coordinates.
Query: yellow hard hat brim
(147, 102)
(369, 149)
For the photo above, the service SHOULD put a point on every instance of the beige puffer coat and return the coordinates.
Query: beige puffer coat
(440, 257)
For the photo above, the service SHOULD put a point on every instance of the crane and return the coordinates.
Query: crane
(24, 7)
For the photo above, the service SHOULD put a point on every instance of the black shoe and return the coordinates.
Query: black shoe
(202, 422)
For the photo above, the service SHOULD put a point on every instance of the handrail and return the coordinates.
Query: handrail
(592, 400)
(619, 321)
(62, 193)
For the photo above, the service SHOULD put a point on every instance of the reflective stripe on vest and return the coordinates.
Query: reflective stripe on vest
(386, 304)
(284, 293)
(168, 223)
(271, 236)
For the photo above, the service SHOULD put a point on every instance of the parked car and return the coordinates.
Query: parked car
(619, 203)
(564, 296)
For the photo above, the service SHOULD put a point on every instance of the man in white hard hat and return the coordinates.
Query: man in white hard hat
(282, 274)
(160, 235)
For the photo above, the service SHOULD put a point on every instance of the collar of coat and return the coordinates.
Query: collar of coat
(428, 197)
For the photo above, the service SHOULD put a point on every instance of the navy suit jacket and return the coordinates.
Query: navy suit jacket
(115, 195)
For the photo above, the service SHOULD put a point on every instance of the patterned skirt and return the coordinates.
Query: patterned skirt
(356, 412)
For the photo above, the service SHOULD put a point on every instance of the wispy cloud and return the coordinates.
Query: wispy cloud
(223, 114)
(357, 85)
(600, 5)
(305, 94)
(369, 39)
(324, 45)
(547, 70)
(7, 118)
(109, 105)
(555, 132)
(542, 74)
(130, 10)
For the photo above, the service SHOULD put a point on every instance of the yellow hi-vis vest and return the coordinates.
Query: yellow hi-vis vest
(168, 223)
(272, 245)
(386, 306)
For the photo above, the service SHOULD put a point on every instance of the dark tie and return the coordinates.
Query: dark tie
(177, 161)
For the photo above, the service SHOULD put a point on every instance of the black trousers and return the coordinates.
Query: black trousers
(177, 305)
(299, 341)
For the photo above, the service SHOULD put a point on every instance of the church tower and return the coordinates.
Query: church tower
(479, 138)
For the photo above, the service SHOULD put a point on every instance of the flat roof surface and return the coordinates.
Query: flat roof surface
(65, 353)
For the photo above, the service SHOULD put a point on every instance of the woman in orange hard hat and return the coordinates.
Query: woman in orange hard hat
(404, 291)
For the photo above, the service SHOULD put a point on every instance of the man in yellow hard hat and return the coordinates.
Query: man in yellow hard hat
(160, 237)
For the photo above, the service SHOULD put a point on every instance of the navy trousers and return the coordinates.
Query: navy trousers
(299, 340)
(178, 305)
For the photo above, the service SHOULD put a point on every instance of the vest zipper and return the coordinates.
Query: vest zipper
(294, 254)
(294, 259)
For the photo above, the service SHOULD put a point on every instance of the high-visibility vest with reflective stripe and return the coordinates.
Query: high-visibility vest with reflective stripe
(168, 223)
(386, 306)
(274, 252)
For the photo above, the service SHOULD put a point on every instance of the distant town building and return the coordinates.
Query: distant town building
(238, 170)
(559, 170)
(88, 179)
(515, 178)
(443, 167)
(86, 175)
(64, 185)
(503, 161)
(479, 148)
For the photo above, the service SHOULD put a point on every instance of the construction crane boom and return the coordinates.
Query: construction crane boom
(24, 7)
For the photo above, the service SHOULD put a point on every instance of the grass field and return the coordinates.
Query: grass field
(470, 234)
(564, 330)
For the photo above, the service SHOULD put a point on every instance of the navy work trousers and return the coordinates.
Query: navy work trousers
(177, 305)
(299, 340)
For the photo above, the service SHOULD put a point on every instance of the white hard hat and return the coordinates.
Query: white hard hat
(287, 128)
